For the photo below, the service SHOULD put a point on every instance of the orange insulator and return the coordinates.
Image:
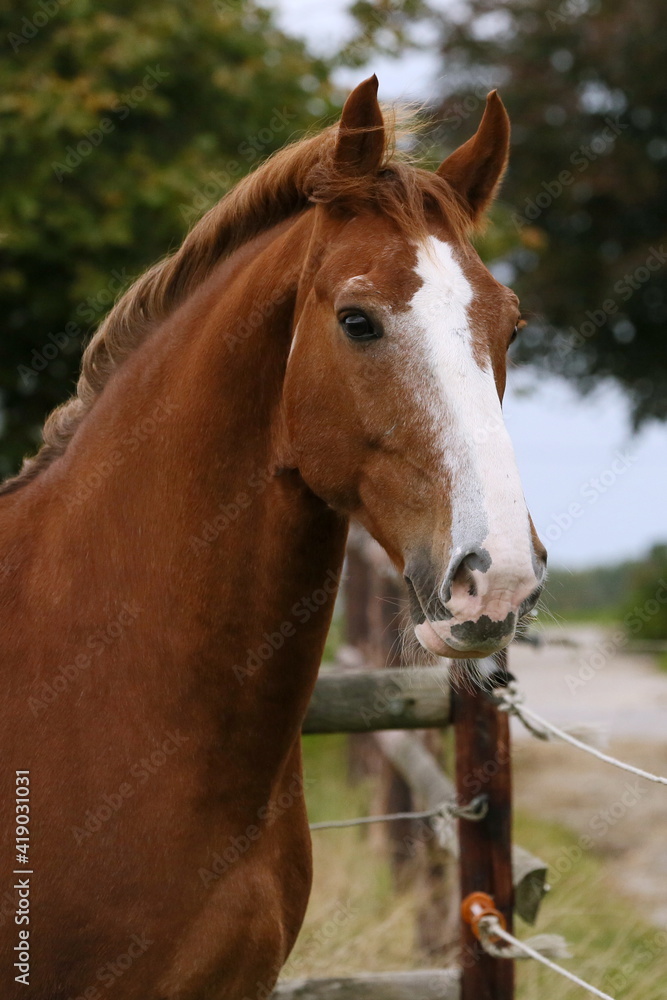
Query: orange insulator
(478, 905)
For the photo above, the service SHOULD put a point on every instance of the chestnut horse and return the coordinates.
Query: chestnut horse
(326, 344)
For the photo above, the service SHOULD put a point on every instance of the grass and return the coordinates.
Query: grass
(612, 946)
(356, 922)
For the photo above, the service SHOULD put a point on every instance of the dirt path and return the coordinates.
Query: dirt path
(594, 681)
(620, 818)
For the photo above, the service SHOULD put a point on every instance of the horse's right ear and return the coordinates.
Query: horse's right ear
(476, 168)
(360, 144)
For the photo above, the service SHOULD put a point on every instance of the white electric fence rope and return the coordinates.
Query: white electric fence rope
(475, 810)
(511, 700)
(489, 928)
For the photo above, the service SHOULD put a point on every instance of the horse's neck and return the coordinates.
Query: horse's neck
(169, 495)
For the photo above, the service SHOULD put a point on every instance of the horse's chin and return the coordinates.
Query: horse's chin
(435, 643)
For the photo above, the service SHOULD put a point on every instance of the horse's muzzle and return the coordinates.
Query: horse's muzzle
(474, 613)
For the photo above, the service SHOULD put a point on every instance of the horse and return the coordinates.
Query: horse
(325, 345)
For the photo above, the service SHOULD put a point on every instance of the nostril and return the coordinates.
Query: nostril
(463, 578)
(460, 579)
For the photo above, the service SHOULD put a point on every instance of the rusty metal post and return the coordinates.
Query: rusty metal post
(483, 767)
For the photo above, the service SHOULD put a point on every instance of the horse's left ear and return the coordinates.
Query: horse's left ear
(477, 167)
(360, 143)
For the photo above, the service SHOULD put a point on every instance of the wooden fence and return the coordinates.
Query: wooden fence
(397, 705)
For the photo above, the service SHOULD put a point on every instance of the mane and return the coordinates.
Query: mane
(300, 174)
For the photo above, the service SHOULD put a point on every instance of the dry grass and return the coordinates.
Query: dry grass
(356, 922)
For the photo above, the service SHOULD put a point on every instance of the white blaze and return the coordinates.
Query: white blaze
(488, 506)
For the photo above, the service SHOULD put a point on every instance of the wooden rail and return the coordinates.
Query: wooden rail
(426, 984)
(367, 700)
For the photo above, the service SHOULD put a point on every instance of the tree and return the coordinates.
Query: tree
(121, 123)
(645, 610)
(585, 197)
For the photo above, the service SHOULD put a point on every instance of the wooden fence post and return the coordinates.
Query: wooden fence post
(396, 793)
(362, 758)
(483, 767)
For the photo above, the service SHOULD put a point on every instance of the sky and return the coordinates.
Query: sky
(596, 492)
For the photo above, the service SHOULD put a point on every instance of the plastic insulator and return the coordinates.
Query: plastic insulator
(478, 905)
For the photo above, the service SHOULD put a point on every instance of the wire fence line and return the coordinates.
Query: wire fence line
(510, 699)
(542, 948)
(475, 810)
(490, 929)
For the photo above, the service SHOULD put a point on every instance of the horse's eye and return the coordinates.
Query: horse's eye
(515, 332)
(358, 326)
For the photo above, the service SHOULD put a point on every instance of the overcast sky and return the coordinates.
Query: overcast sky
(596, 493)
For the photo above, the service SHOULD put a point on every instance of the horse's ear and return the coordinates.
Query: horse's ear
(360, 143)
(477, 167)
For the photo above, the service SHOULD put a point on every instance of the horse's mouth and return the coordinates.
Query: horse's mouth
(469, 639)
(477, 639)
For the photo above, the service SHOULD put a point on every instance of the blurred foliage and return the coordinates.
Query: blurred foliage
(633, 594)
(645, 610)
(584, 83)
(382, 26)
(120, 123)
(593, 594)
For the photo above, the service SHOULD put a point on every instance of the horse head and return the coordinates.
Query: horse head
(396, 374)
